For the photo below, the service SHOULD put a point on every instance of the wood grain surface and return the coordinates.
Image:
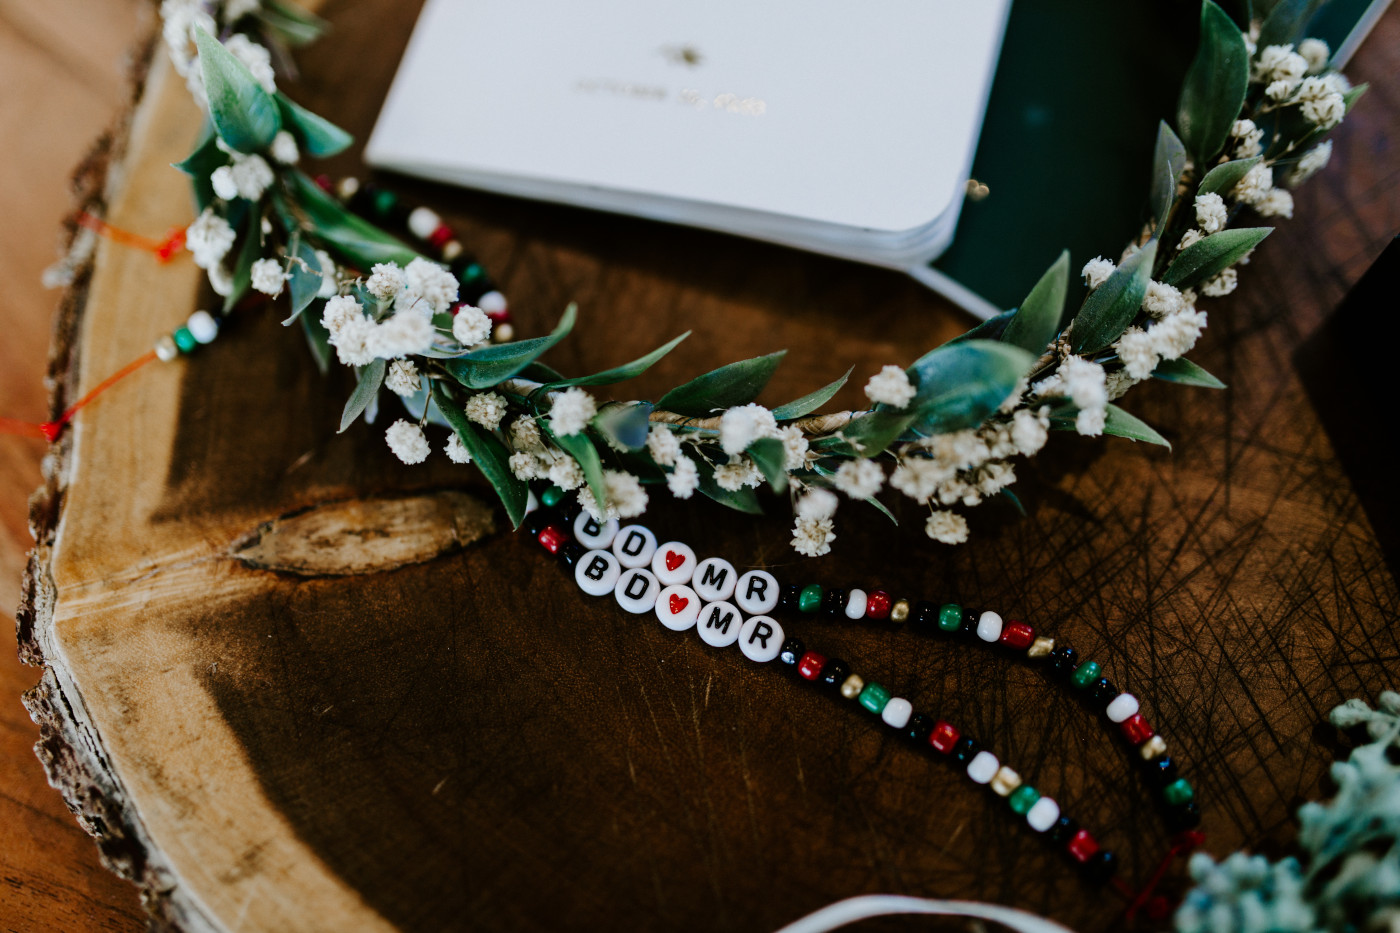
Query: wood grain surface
(469, 742)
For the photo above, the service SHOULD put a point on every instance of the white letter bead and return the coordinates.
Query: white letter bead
(596, 573)
(203, 327)
(855, 604)
(983, 767)
(719, 624)
(634, 546)
(1123, 707)
(677, 607)
(673, 563)
(422, 222)
(897, 712)
(757, 593)
(592, 533)
(636, 590)
(989, 626)
(1043, 814)
(761, 639)
(715, 579)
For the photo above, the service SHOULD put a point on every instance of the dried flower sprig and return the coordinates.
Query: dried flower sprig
(945, 431)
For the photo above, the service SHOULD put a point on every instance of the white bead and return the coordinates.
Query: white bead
(634, 545)
(677, 607)
(897, 712)
(166, 349)
(203, 327)
(989, 626)
(673, 563)
(504, 332)
(347, 187)
(636, 590)
(983, 767)
(594, 534)
(855, 604)
(451, 250)
(757, 593)
(761, 639)
(596, 572)
(1043, 814)
(719, 624)
(1123, 707)
(422, 221)
(715, 579)
(492, 302)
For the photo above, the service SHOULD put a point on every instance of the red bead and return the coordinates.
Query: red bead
(1082, 847)
(1136, 729)
(324, 183)
(553, 539)
(944, 736)
(439, 237)
(811, 665)
(877, 605)
(1017, 636)
(498, 317)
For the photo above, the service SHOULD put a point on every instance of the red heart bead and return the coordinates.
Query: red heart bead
(674, 560)
(678, 602)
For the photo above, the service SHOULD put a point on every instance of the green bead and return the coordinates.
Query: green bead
(552, 496)
(384, 202)
(1178, 792)
(874, 697)
(950, 617)
(811, 598)
(472, 272)
(185, 340)
(1023, 798)
(1086, 674)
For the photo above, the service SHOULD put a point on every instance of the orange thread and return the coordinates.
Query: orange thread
(164, 250)
(50, 430)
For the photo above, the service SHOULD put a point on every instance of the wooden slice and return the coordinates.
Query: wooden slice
(292, 684)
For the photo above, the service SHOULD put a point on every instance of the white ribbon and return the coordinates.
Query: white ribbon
(883, 905)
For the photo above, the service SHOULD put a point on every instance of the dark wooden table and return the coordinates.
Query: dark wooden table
(470, 741)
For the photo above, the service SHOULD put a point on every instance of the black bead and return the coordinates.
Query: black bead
(1161, 771)
(569, 509)
(924, 617)
(1184, 816)
(834, 673)
(1101, 866)
(969, 622)
(792, 652)
(965, 749)
(1103, 692)
(788, 598)
(537, 520)
(834, 604)
(570, 553)
(1063, 661)
(1062, 831)
(918, 728)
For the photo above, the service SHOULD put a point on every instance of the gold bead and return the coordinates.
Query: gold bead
(503, 333)
(451, 250)
(899, 612)
(1041, 647)
(348, 187)
(166, 349)
(1152, 748)
(852, 687)
(1005, 781)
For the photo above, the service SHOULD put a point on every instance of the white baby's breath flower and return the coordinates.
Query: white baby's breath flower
(794, 447)
(266, 276)
(471, 326)
(1175, 335)
(339, 312)
(1119, 382)
(256, 58)
(486, 409)
(1097, 270)
(402, 378)
(566, 473)
(248, 176)
(1136, 348)
(221, 180)
(209, 239)
(1312, 162)
(919, 478)
(1013, 398)
(812, 537)
(571, 411)
(626, 497)
(817, 503)
(1029, 432)
(684, 478)
(457, 451)
(525, 434)
(890, 386)
(742, 425)
(1277, 203)
(407, 441)
(1315, 53)
(1280, 63)
(385, 281)
(352, 342)
(1255, 185)
(1084, 382)
(526, 466)
(663, 446)
(1221, 285)
(1247, 137)
(739, 472)
(237, 9)
(433, 283)
(859, 479)
(1211, 213)
(1190, 238)
(1089, 422)
(284, 148)
(946, 527)
(1161, 299)
(1279, 90)
(1321, 102)
(330, 282)
(404, 334)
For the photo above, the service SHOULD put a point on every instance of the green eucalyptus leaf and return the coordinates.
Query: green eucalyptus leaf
(318, 340)
(741, 500)
(1352, 95)
(960, 385)
(1037, 321)
(811, 401)
(1116, 422)
(869, 434)
(1212, 254)
(1111, 307)
(488, 453)
(734, 384)
(581, 449)
(244, 114)
(1168, 162)
(306, 278)
(1286, 22)
(315, 134)
(369, 379)
(1185, 372)
(881, 508)
(991, 329)
(247, 255)
(1215, 85)
(489, 366)
(1223, 178)
(626, 424)
(769, 455)
(1015, 501)
(296, 26)
(625, 371)
(200, 164)
(539, 372)
(358, 240)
